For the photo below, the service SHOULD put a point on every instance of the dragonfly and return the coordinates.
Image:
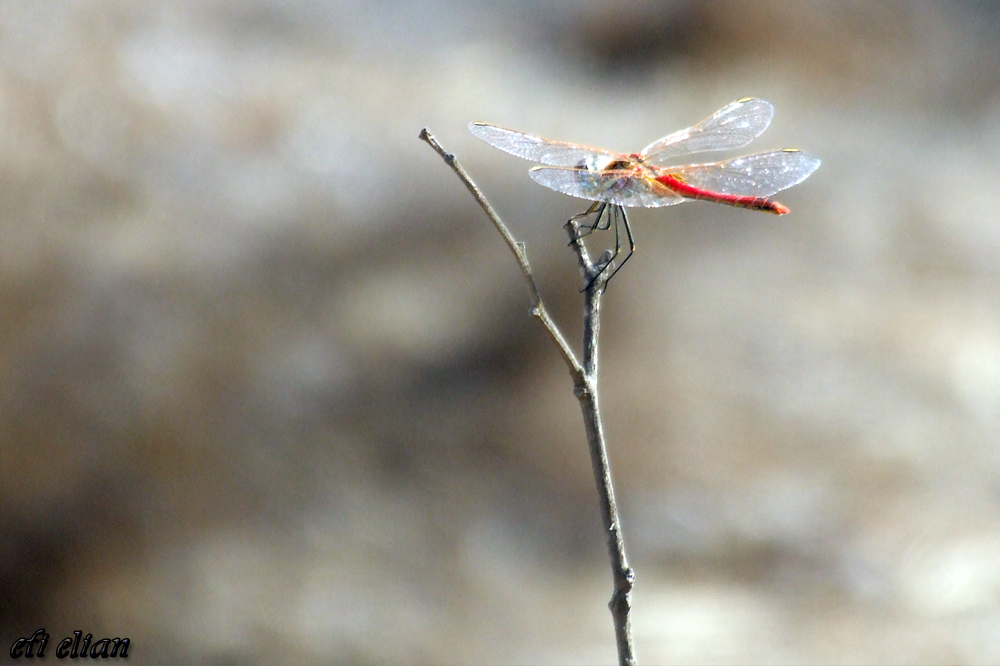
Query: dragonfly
(614, 181)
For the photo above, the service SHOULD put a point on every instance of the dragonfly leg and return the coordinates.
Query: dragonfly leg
(620, 219)
(631, 243)
(599, 207)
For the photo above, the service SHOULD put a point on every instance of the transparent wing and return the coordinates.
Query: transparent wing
(537, 149)
(759, 175)
(619, 187)
(732, 126)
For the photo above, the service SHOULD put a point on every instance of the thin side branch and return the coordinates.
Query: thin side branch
(537, 306)
(585, 389)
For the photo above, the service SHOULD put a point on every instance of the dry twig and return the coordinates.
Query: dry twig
(584, 387)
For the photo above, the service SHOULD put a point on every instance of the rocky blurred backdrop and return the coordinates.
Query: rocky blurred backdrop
(270, 392)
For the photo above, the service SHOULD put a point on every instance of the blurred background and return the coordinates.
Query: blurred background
(270, 392)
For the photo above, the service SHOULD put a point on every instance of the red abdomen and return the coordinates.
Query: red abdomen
(756, 203)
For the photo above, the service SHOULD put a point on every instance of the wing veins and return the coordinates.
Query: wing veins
(536, 148)
(733, 126)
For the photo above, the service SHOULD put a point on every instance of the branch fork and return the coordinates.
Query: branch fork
(584, 374)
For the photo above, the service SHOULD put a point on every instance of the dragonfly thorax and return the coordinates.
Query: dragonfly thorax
(601, 164)
(604, 163)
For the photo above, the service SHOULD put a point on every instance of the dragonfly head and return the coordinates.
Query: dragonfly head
(595, 163)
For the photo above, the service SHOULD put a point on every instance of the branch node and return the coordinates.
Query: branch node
(583, 390)
(628, 580)
(620, 603)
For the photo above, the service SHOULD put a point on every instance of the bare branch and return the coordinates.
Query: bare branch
(623, 575)
(585, 389)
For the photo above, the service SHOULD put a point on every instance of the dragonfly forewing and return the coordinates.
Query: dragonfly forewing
(537, 149)
(733, 126)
